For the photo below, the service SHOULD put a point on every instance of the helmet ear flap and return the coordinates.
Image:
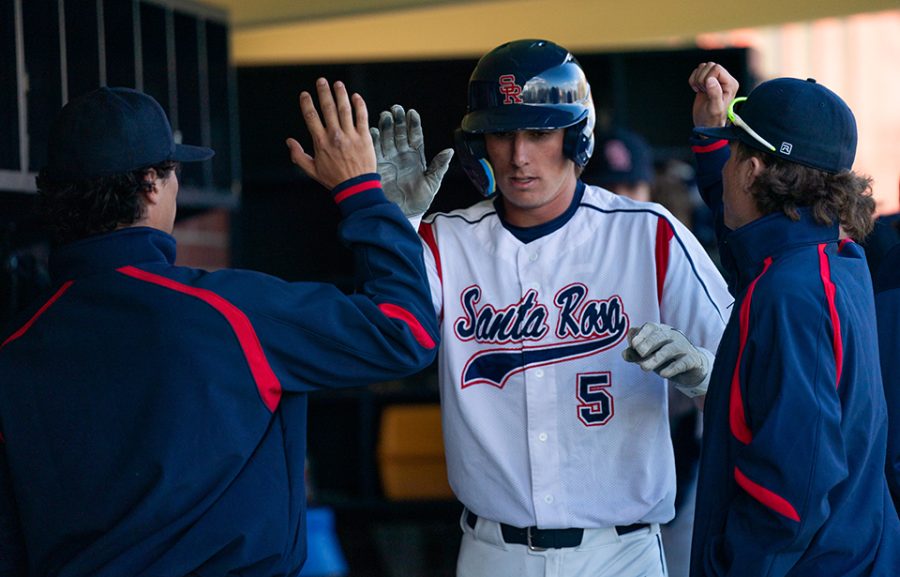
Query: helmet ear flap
(472, 154)
(578, 142)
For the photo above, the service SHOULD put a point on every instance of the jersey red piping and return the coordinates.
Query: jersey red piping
(664, 236)
(427, 234)
(426, 231)
(266, 382)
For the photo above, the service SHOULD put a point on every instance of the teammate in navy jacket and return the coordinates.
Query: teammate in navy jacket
(153, 416)
(887, 306)
(792, 472)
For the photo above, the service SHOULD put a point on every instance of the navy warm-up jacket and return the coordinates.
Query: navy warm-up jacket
(792, 470)
(153, 417)
(887, 306)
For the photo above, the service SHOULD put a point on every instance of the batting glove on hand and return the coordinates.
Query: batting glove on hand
(668, 353)
(400, 153)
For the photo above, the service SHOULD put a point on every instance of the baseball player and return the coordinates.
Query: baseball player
(153, 417)
(558, 448)
(792, 472)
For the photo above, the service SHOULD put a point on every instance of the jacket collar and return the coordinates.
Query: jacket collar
(112, 250)
(772, 235)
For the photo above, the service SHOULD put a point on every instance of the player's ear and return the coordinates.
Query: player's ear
(151, 186)
(752, 167)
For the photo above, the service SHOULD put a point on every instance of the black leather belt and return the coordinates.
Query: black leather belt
(540, 539)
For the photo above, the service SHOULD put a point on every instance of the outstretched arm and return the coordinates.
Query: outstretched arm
(386, 328)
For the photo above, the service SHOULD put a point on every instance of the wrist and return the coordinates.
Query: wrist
(699, 389)
(358, 192)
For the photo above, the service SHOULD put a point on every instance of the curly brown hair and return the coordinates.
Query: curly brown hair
(786, 186)
(76, 208)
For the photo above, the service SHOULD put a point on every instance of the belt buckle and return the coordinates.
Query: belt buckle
(528, 539)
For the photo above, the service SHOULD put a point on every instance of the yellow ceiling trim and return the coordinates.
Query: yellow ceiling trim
(470, 29)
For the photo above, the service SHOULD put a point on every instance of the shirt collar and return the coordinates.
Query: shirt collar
(774, 234)
(112, 250)
(527, 234)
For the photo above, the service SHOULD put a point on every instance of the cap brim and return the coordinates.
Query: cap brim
(188, 153)
(727, 132)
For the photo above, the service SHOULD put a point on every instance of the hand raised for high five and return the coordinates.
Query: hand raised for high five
(341, 143)
(715, 89)
(400, 151)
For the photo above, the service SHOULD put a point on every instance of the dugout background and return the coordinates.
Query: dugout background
(286, 226)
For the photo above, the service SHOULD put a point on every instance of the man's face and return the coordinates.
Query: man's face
(536, 180)
(739, 208)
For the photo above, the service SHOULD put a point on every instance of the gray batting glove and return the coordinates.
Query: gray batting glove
(668, 353)
(400, 152)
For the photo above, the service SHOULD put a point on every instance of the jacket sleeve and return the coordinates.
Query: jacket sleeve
(12, 546)
(785, 417)
(710, 157)
(318, 337)
(887, 307)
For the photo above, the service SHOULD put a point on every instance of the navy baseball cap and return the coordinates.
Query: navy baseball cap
(111, 131)
(622, 157)
(797, 120)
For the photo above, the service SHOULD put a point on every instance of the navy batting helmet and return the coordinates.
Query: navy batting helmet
(525, 85)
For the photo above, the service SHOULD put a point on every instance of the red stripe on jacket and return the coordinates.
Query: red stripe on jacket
(736, 416)
(40, 311)
(356, 189)
(837, 342)
(418, 331)
(771, 500)
(266, 382)
(664, 236)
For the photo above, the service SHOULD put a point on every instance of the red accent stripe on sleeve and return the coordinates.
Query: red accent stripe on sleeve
(65, 286)
(664, 235)
(837, 342)
(356, 189)
(775, 502)
(267, 383)
(419, 332)
(699, 149)
(736, 417)
(427, 234)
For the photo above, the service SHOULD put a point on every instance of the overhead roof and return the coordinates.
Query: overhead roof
(284, 31)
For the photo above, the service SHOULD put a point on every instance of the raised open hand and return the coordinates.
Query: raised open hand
(341, 141)
(400, 152)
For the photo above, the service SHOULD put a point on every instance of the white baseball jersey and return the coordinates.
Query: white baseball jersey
(544, 423)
